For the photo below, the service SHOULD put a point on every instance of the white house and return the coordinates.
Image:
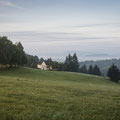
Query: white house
(42, 66)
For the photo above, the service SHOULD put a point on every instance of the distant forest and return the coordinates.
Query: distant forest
(102, 64)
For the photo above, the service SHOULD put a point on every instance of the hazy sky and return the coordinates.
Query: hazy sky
(54, 28)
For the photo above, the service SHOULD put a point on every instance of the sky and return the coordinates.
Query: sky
(54, 28)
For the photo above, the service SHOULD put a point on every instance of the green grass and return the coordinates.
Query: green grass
(29, 94)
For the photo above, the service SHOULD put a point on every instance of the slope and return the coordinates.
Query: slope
(29, 94)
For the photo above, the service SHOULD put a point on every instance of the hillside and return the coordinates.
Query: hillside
(102, 64)
(29, 94)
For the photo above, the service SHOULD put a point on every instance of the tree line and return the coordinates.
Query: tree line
(103, 64)
(93, 70)
(70, 64)
(14, 55)
(11, 54)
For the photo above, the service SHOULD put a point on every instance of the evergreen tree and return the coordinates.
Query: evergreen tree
(96, 71)
(68, 63)
(49, 62)
(71, 63)
(41, 60)
(90, 70)
(21, 54)
(114, 73)
(19, 45)
(76, 63)
(83, 69)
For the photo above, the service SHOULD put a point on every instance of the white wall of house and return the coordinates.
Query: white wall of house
(43, 66)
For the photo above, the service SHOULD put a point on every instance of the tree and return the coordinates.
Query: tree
(49, 62)
(90, 70)
(68, 63)
(41, 60)
(19, 45)
(76, 63)
(55, 65)
(21, 54)
(114, 73)
(32, 61)
(96, 71)
(12, 54)
(6, 50)
(71, 63)
(83, 69)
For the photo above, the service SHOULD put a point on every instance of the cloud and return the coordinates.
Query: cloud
(96, 25)
(6, 3)
(59, 44)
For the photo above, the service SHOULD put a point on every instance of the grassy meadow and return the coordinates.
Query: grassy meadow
(29, 94)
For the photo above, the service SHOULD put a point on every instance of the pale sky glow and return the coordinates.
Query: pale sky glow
(54, 28)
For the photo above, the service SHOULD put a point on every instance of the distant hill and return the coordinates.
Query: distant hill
(103, 64)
